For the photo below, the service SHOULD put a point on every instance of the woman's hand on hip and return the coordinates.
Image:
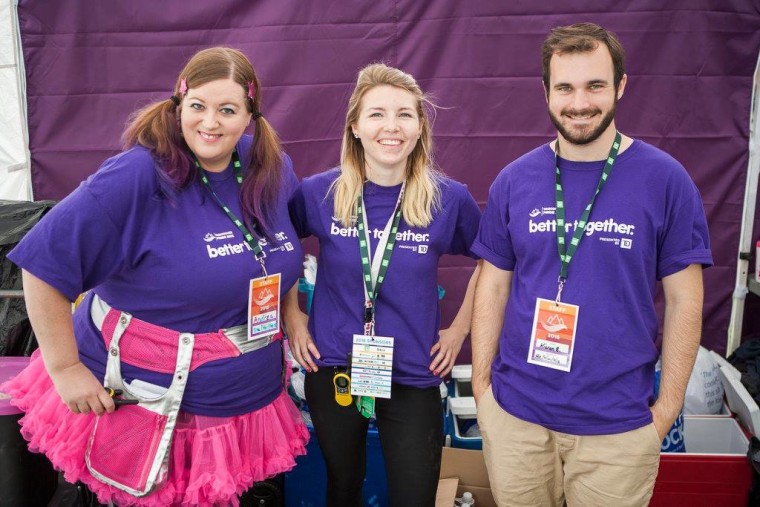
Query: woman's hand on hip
(301, 344)
(446, 351)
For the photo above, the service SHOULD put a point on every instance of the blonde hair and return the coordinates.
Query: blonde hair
(422, 194)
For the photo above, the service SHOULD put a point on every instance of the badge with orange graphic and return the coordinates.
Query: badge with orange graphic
(553, 336)
(264, 306)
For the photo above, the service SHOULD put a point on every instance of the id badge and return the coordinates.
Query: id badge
(552, 340)
(264, 306)
(372, 366)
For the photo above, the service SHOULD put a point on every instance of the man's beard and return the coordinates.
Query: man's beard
(582, 138)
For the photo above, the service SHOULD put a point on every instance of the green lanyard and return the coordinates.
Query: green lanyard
(566, 253)
(378, 268)
(373, 289)
(250, 239)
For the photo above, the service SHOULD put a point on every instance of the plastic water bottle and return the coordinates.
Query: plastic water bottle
(467, 498)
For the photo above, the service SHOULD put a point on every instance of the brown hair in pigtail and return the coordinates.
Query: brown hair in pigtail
(156, 127)
(260, 191)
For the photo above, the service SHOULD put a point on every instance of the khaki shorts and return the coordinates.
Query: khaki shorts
(529, 465)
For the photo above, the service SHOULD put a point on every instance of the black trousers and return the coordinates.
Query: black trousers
(410, 425)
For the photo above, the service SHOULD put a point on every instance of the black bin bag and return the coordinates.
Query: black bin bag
(16, 219)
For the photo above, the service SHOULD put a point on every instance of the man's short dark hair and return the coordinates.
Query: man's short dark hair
(582, 38)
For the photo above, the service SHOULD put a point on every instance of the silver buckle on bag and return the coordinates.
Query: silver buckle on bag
(238, 335)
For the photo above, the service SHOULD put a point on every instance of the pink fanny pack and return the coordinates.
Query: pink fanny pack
(154, 348)
(129, 448)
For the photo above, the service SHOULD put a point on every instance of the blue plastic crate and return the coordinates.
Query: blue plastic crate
(457, 428)
(460, 389)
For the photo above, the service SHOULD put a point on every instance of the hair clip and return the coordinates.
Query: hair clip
(251, 90)
(257, 115)
(175, 99)
(183, 86)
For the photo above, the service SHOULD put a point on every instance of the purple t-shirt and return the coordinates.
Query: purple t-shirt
(407, 305)
(647, 223)
(180, 263)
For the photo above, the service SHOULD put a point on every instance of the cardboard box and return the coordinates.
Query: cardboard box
(713, 473)
(469, 467)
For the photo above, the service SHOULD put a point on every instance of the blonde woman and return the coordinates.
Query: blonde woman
(383, 219)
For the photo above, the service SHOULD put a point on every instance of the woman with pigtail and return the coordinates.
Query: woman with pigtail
(166, 384)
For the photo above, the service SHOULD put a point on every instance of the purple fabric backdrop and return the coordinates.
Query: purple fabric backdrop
(690, 66)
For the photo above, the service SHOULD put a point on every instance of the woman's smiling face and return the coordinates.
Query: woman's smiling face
(389, 127)
(213, 118)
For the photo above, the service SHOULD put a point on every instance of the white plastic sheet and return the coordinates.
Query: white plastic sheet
(15, 175)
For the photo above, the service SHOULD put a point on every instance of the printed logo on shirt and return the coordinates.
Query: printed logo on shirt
(354, 218)
(608, 230)
(408, 240)
(227, 249)
(420, 249)
(542, 211)
(600, 226)
(232, 248)
(211, 236)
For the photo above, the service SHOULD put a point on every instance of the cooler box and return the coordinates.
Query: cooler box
(714, 472)
(25, 478)
(461, 414)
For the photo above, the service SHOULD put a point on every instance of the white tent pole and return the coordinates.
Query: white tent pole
(15, 169)
(748, 218)
(21, 87)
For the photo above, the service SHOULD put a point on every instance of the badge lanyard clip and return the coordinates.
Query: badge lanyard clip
(369, 319)
(260, 258)
(560, 286)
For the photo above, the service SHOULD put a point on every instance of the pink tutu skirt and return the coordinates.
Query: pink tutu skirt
(213, 459)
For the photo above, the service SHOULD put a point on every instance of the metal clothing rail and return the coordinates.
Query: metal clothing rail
(743, 283)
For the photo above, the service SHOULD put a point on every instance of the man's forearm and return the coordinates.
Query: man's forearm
(681, 337)
(491, 296)
(463, 319)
